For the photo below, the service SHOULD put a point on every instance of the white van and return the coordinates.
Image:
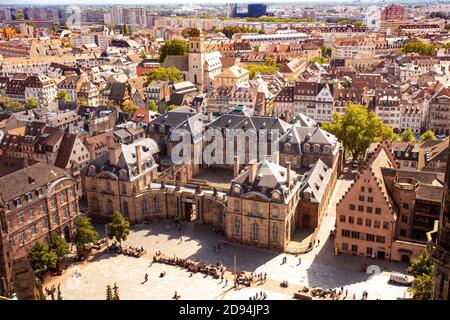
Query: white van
(401, 279)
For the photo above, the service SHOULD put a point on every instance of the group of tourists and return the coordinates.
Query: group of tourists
(259, 296)
(129, 251)
(246, 280)
(216, 271)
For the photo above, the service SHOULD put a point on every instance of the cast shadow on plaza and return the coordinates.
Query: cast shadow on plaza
(330, 271)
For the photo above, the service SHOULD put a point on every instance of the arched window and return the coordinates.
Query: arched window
(254, 209)
(306, 147)
(255, 231)
(237, 227)
(316, 148)
(275, 233)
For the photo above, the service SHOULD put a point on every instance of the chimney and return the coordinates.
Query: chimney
(289, 174)
(252, 171)
(113, 150)
(236, 166)
(138, 159)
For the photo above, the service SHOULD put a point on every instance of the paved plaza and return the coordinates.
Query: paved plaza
(318, 268)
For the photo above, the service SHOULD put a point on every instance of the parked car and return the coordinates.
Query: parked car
(401, 279)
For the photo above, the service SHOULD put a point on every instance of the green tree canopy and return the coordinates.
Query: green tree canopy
(418, 47)
(173, 47)
(84, 232)
(119, 228)
(318, 59)
(427, 135)
(172, 107)
(152, 106)
(253, 69)
(357, 129)
(19, 16)
(63, 96)
(164, 74)
(130, 107)
(31, 104)
(422, 265)
(408, 136)
(41, 258)
(421, 288)
(60, 247)
(326, 51)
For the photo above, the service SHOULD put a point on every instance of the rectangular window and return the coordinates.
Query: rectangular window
(369, 251)
(342, 218)
(405, 205)
(369, 199)
(368, 222)
(156, 205)
(369, 209)
(361, 208)
(355, 235)
(359, 221)
(20, 217)
(361, 198)
(376, 224)
(345, 233)
(405, 219)
(352, 207)
(377, 210)
(385, 225)
(351, 220)
(44, 224)
(362, 189)
(354, 248)
(55, 219)
(369, 190)
(22, 236)
(345, 247)
(31, 213)
(33, 229)
(381, 239)
(370, 237)
(29, 197)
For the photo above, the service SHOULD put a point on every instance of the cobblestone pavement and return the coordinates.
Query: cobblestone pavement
(318, 268)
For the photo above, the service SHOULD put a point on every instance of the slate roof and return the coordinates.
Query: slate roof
(28, 179)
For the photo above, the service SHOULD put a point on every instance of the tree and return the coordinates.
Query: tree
(421, 288)
(116, 292)
(164, 74)
(119, 228)
(408, 136)
(109, 295)
(326, 51)
(185, 33)
(173, 47)
(152, 106)
(270, 62)
(172, 107)
(253, 69)
(19, 16)
(84, 233)
(60, 247)
(318, 59)
(31, 104)
(130, 107)
(63, 96)
(357, 129)
(422, 265)
(41, 258)
(418, 47)
(427, 135)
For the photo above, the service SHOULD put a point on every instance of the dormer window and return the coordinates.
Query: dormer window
(18, 202)
(276, 195)
(287, 147)
(237, 188)
(306, 147)
(29, 197)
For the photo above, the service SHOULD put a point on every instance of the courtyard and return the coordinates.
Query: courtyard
(317, 268)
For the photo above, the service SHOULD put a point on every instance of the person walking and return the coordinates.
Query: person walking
(299, 261)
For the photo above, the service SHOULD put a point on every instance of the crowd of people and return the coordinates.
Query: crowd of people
(128, 251)
(259, 296)
(216, 271)
(243, 279)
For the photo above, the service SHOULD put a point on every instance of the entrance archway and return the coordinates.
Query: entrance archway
(405, 258)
